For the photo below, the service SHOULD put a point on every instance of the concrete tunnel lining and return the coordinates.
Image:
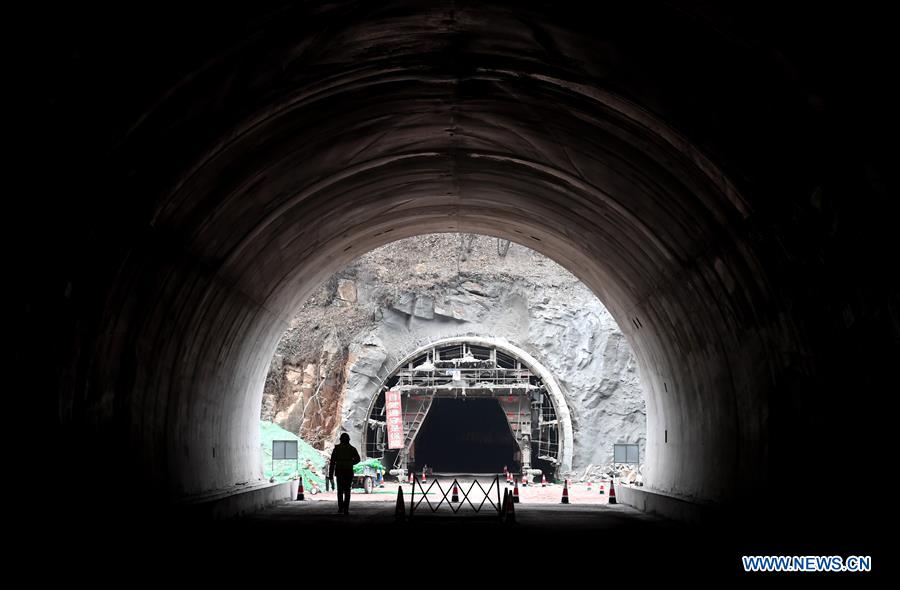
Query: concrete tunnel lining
(622, 251)
(398, 123)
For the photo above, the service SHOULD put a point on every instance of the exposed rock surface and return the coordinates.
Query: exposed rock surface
(351, 334)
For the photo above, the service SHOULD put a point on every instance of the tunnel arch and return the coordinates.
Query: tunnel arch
(243, 173)
(631, 238)
(554, 391)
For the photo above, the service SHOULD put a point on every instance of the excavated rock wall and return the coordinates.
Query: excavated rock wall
(353, 332)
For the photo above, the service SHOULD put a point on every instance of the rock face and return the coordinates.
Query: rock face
(351, 335)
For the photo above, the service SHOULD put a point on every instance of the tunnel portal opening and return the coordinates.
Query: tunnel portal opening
(466, 436)
(472, 406)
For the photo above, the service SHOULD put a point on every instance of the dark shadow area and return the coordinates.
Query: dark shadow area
(613, 543)
(466, 436)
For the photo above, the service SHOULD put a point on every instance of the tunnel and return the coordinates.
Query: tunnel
(466, 436)
(716, 175)
(443, 386)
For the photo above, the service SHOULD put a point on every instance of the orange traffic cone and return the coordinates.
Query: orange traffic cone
(511, 511)
(455, 497)
(410, 478)
(612, 492)
(543, 481)
(516, 493)
(524, 481)
(602, 492)
(400, 510)
(300, 491)
(565, 495)
(423, 476)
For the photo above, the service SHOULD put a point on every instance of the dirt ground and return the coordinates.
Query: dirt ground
(534, 494)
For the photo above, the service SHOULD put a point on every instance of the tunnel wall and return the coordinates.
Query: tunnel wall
(673, 508)
(203, 185)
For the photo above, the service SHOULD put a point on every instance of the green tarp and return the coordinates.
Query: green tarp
(311, 460)
(286, 470)
(373, 463)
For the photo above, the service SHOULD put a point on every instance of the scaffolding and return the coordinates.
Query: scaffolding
(460, 371)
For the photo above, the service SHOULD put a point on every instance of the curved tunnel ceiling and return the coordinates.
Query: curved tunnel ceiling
(340, 166)
(248, 170)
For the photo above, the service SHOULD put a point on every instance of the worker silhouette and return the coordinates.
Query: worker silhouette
(343, 458)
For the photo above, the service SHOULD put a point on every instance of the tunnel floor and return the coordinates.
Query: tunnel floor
(594, 541)
(309, 541)
(303, 516)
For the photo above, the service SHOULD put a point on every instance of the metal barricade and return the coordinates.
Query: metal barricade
(413, 504)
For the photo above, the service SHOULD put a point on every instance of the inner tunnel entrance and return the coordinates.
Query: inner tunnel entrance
(466, 436)
(470, 405)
